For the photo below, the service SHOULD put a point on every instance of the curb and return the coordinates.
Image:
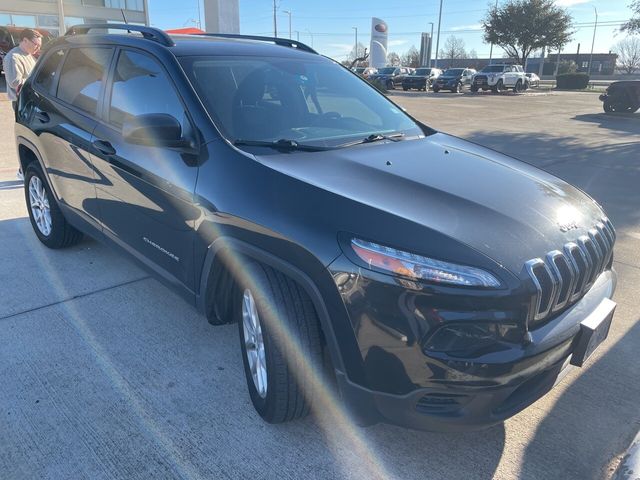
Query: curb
(629, 468)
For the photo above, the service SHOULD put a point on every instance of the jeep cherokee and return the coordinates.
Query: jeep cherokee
(446, 285)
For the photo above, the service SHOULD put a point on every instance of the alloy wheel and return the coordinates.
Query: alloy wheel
(254, 343)
(39, 204)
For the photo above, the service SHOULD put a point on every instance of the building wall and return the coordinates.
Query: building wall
(46, 13)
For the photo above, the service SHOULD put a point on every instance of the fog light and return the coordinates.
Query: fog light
(471, 339)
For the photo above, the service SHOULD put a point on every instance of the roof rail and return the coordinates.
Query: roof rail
(284, 42)
(150, 33)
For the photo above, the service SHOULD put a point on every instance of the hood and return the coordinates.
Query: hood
(499, 206)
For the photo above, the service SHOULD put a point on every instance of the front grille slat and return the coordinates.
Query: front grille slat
(563, 276)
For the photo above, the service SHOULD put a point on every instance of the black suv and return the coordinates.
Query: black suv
(454, 79)
(444, 285)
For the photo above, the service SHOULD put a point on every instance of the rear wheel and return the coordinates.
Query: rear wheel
(47, 220)
(280, 342)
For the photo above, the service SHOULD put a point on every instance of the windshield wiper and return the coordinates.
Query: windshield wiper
(282, 144)
(375, 137)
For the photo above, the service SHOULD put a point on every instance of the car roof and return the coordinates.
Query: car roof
(191, 45)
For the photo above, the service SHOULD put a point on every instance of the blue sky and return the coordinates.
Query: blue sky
(328, 23)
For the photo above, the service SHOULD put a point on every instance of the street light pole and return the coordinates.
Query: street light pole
(288, 12)
(430, 45)
(311, 34)
(594, 39)
(356, 50)
(275, 22)
(438, 40)
(491, 49)
(298, 35)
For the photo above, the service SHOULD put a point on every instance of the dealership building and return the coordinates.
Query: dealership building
(58, 15)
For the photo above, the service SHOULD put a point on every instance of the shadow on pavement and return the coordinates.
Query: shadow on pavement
(599, 410)
(621, 122)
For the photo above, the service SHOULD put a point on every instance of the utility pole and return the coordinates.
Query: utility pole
(288, 12)
(594, 39)
(275, 22)
(356, 50)
(491, 49)
(438, 40)
(311, 34)
(430, 45)
(298, 35)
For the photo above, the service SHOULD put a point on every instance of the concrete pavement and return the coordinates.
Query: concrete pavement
(104, 373)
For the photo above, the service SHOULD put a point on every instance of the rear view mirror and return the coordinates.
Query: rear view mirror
(154, 129)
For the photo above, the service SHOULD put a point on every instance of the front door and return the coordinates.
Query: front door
(147, 203)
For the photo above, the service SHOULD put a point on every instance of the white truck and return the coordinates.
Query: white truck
(499, 77)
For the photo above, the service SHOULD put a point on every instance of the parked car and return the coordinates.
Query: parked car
(366, 72)
(9, 38)
(499, 77)
(533, 80)
(421, 78)
(622, 96)
(271, 188)
(454, 79)
(390, 76)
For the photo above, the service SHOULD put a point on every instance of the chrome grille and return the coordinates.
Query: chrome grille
(563, 276)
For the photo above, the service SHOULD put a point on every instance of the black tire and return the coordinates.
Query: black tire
(474, 89)
(436, 89)
(608, 107)
(292, 345)
(405, 88)
(518, 86)
(62, 234)
(390, 85)
(457, 88)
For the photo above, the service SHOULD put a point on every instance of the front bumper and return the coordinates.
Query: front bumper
(438, 392)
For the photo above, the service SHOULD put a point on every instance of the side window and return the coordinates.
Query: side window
(82, 77)
(46, 77)
(140, 86)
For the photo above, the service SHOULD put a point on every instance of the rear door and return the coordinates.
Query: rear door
(70, 85)
(146, 204)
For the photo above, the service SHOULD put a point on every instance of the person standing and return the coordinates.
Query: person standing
(18, 64)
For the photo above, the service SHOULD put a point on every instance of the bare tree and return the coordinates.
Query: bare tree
(352, 54)
(628, 51)
(411, 58)
(393, 59)
(473, 53)
(454, 48)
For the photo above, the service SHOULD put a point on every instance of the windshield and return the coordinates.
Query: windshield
(493, 68)
(387, 70)
(311, 101)
(422, 71)
(453, 72)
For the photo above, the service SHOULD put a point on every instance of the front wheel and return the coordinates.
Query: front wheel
(47, 220)
(518, 87)
(498, 87)
(280, 342)
(405, 88)
(436, 89)
(457, 88)
(474, 89)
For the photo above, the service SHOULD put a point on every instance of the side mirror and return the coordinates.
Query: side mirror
(154, 129)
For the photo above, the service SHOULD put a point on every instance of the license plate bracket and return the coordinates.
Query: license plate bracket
(593, 331)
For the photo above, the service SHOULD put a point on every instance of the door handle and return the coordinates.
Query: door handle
(104, 147)
(43, 117)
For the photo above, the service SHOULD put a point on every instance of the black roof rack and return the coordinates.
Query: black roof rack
(285, 42)
(149, 33)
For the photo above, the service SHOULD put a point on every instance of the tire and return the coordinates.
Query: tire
(390, 85)
(518, 87)
(405, 88)
(497, 88)
(474, 89)
(457, 88)
(47, 220)
(435, 89)
(608, 107)
(287, 344)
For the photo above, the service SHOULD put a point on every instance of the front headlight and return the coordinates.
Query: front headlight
(422, 268)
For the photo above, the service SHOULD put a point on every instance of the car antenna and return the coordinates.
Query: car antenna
(124, 18)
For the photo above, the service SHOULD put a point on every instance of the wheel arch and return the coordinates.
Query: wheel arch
(28, 153)
(223, 249)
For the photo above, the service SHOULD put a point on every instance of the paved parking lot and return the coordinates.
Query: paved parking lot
(104, 373)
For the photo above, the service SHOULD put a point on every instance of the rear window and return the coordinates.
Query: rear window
(82, 77)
